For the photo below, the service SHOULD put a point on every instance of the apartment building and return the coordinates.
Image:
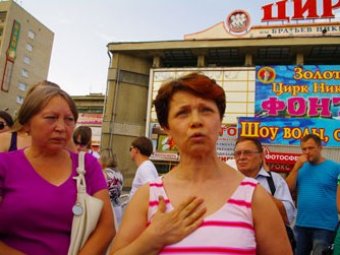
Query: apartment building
(25, 54)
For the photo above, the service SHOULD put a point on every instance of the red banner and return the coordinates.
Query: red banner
(280, 161)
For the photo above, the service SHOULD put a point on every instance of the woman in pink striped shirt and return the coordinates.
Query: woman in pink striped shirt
(202, 206)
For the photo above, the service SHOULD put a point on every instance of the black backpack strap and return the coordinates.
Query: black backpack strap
(271, 183)
(289, 230)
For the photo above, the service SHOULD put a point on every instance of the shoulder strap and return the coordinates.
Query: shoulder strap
(13, 142)
(271, 183)
(81, 163)
(80, 179)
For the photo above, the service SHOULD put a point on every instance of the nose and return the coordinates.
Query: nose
(195, 119)
(60, 124)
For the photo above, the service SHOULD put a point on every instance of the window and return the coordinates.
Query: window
(22, 86)
(27, 60)
(24, 73)
(20, 99)
(31, 34)
(29, 47)
(3, 16)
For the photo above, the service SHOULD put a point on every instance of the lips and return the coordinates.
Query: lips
(241, 164)
(196, 135)
(58, 140)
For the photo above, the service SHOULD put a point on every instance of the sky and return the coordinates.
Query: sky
(83, 28)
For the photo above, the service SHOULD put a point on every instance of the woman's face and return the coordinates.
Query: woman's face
(52, 127)
(194, 123)
(3, 126)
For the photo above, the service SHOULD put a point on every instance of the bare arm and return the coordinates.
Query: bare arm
(282, 210)
(136, 237)
(105, 230)
(270, 233)
(291, 178)
(7, 250)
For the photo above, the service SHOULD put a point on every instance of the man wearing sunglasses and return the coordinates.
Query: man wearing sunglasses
(140, 150)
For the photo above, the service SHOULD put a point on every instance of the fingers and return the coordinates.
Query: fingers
(191, 207)
(161, 204)
(196, 217)
(185, 203)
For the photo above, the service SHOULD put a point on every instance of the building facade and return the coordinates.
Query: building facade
(90, 108)
(25, 54)
(134, 65)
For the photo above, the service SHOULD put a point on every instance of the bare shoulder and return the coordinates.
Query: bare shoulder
(269, 227)
(5, 139)
(232, 173)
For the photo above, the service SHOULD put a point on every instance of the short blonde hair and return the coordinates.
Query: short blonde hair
(37, 99)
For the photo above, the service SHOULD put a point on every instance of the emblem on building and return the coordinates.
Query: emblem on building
(266, 75)
(238, 22)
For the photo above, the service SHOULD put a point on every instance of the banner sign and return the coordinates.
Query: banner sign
(289, 131)
(226, 142)
(310, 91)
(10, 56)
(91, 119)
(281, 162)
(13, 43)
(281, 157)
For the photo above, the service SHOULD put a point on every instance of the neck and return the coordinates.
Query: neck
(319, 161)
(196, 169)
(36, 153)
(140, 159)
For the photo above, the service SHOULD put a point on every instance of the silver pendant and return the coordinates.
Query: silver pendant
(77, 209)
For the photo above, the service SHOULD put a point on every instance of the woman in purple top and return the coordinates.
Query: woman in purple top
(37, 188)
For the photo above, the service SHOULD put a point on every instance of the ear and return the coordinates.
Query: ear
(27, 128)
(220, 132)
(264, 163)
(167, 131)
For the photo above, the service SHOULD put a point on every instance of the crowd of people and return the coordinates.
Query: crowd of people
(201, 206)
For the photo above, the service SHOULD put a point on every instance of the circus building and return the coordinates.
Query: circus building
(281, 78)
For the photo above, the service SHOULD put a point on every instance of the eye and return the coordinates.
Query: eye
(69, 121)
(247, 153)
(51, 118)
(207, 109)
(181, 113)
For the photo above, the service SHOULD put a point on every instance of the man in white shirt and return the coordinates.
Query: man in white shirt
(140, 151)
(249, 159)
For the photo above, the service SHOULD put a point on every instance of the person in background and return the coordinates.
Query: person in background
(336, 241)
(82, 138)
(6, 121)
(140, 150)
(249, 158)
(315, 180)
(114, 179)
(202, 206)
(249, 161)
(37, 186)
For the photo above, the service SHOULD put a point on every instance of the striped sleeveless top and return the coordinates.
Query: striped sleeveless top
(229, 230)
